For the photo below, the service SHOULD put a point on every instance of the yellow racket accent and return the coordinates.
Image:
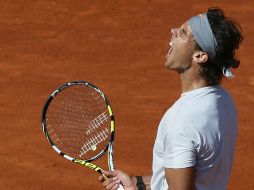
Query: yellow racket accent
(112, 127)
(90, 165)
(112, 123)
(110, 110)
(87, 164)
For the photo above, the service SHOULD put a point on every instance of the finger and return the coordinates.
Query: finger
(112, 185)
(115, 187)
(108, 173)
(107, 182)
(101, 178)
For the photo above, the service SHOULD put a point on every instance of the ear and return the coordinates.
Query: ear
(200, 57)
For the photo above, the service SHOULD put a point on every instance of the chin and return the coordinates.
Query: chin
(171, 66)
(168, 64)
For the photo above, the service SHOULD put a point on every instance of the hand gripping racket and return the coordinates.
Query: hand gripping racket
(78, 122)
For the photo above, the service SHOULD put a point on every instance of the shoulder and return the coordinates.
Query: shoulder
(206, 103)
(195, 113)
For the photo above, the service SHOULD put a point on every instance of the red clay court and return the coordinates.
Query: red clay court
(120, 46)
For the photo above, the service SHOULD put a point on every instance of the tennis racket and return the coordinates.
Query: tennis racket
(79, 124)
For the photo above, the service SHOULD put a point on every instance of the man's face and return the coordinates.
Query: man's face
(182, 47)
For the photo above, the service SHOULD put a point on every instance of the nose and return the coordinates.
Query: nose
(174, 32)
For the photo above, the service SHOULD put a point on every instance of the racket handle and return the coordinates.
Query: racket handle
(120, 187)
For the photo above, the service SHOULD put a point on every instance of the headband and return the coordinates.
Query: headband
(203, 34)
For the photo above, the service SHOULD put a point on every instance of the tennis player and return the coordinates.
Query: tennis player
(196, 137)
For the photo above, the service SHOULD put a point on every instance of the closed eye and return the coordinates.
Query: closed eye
(182, 31)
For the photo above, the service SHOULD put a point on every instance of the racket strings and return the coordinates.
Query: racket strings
(78, 122)
(94, 141)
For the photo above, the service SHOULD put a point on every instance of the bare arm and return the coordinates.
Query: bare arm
(181, 179)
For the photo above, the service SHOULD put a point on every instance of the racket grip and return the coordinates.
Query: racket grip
(120, 187)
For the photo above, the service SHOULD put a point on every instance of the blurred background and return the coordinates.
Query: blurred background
(120, 46)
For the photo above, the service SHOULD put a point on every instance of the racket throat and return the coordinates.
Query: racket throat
(110, 157)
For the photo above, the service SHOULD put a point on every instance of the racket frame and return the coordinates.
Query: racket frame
(109, 146)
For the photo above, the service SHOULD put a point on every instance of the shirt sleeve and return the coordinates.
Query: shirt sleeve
(179, 146)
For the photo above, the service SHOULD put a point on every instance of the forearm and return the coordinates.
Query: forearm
(146, 180)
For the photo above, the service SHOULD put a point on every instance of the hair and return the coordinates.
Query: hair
(228, 34)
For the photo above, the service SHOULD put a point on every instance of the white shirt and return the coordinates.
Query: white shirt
(199, 130)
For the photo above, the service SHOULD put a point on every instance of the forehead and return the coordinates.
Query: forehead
(187, 28)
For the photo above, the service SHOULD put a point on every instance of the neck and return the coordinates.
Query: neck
(191, 80)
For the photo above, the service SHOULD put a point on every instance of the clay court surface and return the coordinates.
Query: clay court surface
(120, 46)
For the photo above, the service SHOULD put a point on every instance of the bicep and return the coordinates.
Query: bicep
(181, 178)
